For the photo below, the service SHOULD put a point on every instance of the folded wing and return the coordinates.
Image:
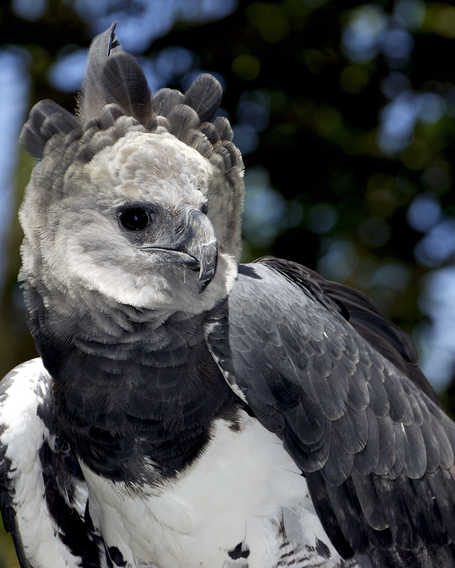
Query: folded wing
(321, 368)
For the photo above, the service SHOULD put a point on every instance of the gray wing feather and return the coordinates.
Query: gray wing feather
(371, 443)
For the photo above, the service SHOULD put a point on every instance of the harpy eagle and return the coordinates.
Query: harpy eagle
(186, 410)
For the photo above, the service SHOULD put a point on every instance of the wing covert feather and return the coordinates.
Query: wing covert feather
(358, 419)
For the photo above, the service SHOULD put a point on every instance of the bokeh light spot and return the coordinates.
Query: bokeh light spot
(270, 20)
(246, 66)
(423, 213)
(322, 218)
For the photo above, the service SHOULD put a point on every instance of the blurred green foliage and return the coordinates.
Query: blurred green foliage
(345, 113)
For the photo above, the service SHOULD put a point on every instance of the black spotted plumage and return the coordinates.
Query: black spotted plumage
(60, 473)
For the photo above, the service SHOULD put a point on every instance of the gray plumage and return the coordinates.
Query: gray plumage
(186, 410)
(371, 445)
(47, 120)
(113, 76)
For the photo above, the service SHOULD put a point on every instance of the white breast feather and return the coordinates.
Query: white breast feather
(240, 490)
(24, 436)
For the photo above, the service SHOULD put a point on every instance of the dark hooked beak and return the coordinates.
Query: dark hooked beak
(195, 246)
(206, 254)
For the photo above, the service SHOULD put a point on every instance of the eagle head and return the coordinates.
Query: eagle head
(138, 197)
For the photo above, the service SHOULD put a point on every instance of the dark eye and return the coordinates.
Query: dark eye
(204, 208)
(134, 218)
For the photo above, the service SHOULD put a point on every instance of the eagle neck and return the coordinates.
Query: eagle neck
(135, 395)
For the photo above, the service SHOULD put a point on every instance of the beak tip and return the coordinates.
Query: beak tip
(203, 283)
(208, 263)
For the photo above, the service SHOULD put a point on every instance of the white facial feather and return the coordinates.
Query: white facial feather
(82, 246)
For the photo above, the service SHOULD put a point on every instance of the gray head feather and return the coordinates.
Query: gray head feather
(204, 96)
(165, 99)
(116, 100)
(46, 120)
(114, 76)
(127, 148)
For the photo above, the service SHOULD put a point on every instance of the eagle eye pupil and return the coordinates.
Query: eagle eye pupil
(134, 218)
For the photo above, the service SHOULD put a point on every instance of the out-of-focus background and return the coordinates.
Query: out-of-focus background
(345, 115)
